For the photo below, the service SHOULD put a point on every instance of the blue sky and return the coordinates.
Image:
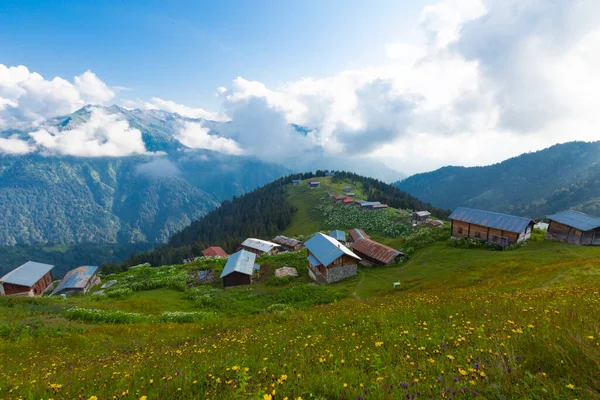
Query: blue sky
(184, 50)
(409, 86)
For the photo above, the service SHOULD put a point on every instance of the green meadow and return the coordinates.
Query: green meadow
(465, 323)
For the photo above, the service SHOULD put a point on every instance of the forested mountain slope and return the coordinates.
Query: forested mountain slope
(533, 184)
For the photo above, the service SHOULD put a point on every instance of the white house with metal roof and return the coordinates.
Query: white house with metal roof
(329, 260)
(260, 247)
(30, 279)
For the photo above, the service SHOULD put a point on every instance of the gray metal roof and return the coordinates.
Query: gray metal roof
(490, 219)
(259, 244)
(27, 274)
(370, 203)
(77, 278)
(326, 249)
(423, 213)
(576, 219)
(242, 261)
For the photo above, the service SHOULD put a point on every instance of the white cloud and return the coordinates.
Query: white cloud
(102, 135)
(14, 145)
(28, 99)
(171, 106)
(195, 136)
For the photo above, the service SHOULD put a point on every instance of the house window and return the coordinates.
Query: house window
(460, 230)
(477, 235)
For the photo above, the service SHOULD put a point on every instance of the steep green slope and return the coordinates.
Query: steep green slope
(533, 184)
(281, 207)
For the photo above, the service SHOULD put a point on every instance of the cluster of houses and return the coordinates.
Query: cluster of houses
(35, 279)
(331, 257)
(348, 199)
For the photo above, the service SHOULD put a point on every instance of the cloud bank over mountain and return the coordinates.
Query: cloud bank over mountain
(485, 80)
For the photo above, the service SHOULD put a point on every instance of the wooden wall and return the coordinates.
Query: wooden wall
(37, 289)
(566, 233)
(462, 229)
(236, 279)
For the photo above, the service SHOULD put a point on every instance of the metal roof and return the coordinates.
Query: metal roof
(259, 244)
(313, 261)
(297, 180)
(576, 219)
(370, 203)
(357, 234)
(377, 251)
(27, 274)
(286, 241)
(242, 262)
(326, 249)
(490, 219)
(338, 235)
(214, 251)
(423, 213)
(76, 278)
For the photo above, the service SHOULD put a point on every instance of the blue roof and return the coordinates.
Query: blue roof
(77, 278)
(576, 219)
(256, 267)
(297, 180)
(313, 261)
(326, 249)
(369, 203)
(338, 235)
(242, 261)
(27, 274)
(490, 219)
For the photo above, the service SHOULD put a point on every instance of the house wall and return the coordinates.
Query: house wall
(260, 253)
(36, 290)
(341, 268)
(462, 229)
(568, 234)
(236, 279)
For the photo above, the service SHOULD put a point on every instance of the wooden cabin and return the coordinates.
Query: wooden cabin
(78, 281)
(491, 227)
(30, 279)
(574, 227)
(314, 184)
(419, 217)
(240, 269)
(376, 253)
(287, 244)
(260, 247)
(329, 260)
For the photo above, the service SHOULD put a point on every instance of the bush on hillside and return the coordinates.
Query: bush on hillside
(95, 315)
(183, 317)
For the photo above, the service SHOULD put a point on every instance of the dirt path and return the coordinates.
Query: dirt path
(362, 278)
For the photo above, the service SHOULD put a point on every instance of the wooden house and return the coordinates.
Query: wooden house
(260, 247)
(329, 260)
(338, 199)
(368, 205)
(78, 281)
(296, 182)
(379, 207)
(348, 202)
(30, 279)
(574, 227)
(419, 217)
(288, 244)
(314, 184)
(357, 234)
(239, 269)
(376, 253)
(214, 251)
(492, 227)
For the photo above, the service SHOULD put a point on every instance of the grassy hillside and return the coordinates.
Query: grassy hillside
(534, 184)
(465, 323)
(281, 207)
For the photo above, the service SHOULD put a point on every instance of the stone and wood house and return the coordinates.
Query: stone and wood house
(329, 260)
(78, 281)
(260, 247)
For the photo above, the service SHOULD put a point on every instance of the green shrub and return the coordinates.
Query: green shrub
(95, 315)
(182, 317)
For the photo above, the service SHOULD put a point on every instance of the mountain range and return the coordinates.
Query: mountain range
(533, 184)
(135, 198)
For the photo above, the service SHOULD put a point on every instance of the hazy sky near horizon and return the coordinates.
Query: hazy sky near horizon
(413, 84)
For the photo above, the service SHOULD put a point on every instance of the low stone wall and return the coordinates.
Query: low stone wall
(340, 273)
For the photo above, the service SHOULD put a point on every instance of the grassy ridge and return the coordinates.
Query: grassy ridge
(465, 323)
